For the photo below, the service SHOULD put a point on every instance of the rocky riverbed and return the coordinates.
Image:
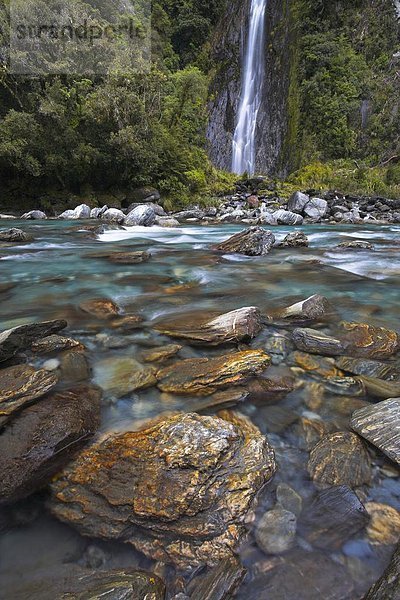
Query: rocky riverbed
(192, 412)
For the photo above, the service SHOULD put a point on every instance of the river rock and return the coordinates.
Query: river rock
(285, 217)
(22, 337)
(313, 364)
(316, 209)
(388, 586)
(308, 432)
(334, 516)
(367, 341)
(67, 214)
(129, 258)
(167, 222)
(316, 342)
(113, 215)
(179, 491)
(371, 368)
(34, 215)
(238, 325)
(276, 531)
(144, 195)
(96, 213)
(143, 215)
(190, 215)
(289, 499)
(379, 388)
(42, 439)
(55, 343)
(379, 424)
(101, 308)
(297, 239)
(278, 346)
(121, 375)
(15, 235)
(81, 212)
(206, 375)
(340, 459)
(160, 354)
(254, 241)
(74, 366)
(313, 308)
(356, 245)
(20, 386)
(297, 202)
(220, 583)
(384, 526)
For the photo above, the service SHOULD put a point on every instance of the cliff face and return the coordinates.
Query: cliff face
(274, 122)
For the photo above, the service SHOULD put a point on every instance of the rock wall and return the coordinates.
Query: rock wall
(275, 117)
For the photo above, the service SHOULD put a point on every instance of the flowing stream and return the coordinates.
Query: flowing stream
(244, 139)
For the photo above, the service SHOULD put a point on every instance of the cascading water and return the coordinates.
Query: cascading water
(244, 143)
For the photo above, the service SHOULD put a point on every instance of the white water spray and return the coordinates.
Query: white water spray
(243, 146)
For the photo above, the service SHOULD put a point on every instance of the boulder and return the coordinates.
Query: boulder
(42, 439)
(254, 241)
(144, 195)
(276, 531)
(129, 258)
(286, 217)
(356, 245)
(15, 235)
(179, 491)
(121, 375)
(232, 327)
(113, 215)
(340, 459)
(297, 202)
(313, 308)
(316, 342)
(101, 308)
(167, 222)
(142, 215)
(297, 239)
(97, 212)
(67, 214)
(367, 341)
(187, 215)
(316, 209)
(34, 214)
(379, 425)
(81, 212)
(253, 201)
(22, 337)
(206, 375)
(22, 385)
(388, 586)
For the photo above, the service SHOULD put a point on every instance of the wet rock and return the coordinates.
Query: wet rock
(316, 342)
(266, 390)
(122, 375)
(101, 308)
(285, 217)
(167, 222)
(22, 337)
(96, 213)
(316, 209)
(160, 354)
(238, 325)
(345, 386)
(220, 583)
(74, 366)
(384, 526)
(379, 425)
(297, 239)
(14, 235)
(335, 515)
(380, 388)
(289, 499)
(340, 459)
(128, 323)
(113, 215)
(206, 375)
(129, 258)
(356, 245)
(42, 439)
(275, 419)
(55, 343)
(34, 215)
(388, 586)
(367, 341)
(254, 241)
(220, 400)
(315, 365)
(21, 385)
(178, 491)
(308, 432)
(276, 531)
(297, 202)
(187, 215)
(143, 215)
(371, 368)
(313, 308)
(301, 576)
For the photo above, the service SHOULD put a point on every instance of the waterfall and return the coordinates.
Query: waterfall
(243, 146)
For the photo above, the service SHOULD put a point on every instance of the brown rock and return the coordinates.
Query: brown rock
(101, 308)
(379, 388)
(121, 375)
(74, 366)
(129, 258)
(206, 375)
(22, 337)
(371, 368)
(308, 432)
(43, 438)
(319, 365)
(160, 354)
(340, 459)
(179, 491)
(254, 241)
(20, 386)
(253, 201)
(55, 343)
(367, 341)
(384, 526)
(235, 326)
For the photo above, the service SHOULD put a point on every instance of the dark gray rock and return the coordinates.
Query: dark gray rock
(22, 337)
(14, 235)
(313, 308)
(388, 586)
(254, 241)
(356, 245)
(297, 239)
(286, 217)
(113, 215)
(371, 368)
(297, 202)
(185, 215)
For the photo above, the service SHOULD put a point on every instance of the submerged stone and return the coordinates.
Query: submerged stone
(121, 375)
(220, 583)
(384, 526)
(368, 341)
(179, 491)
(206, 375)
(254, 241)
(380, 388)
(276, 531)
(388, 586)
(101, 308)
(22, 337)
(371, 368)
(316, 342)
(129, 258)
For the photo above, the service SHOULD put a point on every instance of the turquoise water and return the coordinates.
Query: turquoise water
(57, 272)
